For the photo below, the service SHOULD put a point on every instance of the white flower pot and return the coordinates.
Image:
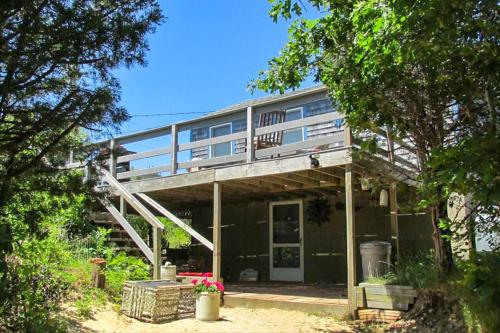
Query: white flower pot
(207, 306)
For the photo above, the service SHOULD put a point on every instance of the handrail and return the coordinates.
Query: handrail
(176, 220)
(136, 204)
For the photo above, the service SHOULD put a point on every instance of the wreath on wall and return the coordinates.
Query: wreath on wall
(319, 211)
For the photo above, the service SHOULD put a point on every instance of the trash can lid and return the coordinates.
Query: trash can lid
(375, 244)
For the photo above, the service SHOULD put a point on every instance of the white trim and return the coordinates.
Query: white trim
(281, 274)
(210, 136)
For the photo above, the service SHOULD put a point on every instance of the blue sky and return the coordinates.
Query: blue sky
(201, 59)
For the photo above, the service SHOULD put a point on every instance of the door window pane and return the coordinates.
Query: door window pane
(286, 257)
(221, 149)
(286, 224)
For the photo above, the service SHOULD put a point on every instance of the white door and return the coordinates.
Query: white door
(286, 246)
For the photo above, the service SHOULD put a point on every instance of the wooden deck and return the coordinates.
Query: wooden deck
(296, 297)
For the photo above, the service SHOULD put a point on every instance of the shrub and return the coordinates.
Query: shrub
(478, 285)
(120, 268)
(35, 284)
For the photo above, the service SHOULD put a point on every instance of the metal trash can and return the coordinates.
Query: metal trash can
(168, 272)
(375, 258)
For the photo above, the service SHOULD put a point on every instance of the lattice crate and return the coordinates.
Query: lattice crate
(187, 300)
(153, 302)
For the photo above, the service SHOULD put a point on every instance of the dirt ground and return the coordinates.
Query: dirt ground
(232, 320)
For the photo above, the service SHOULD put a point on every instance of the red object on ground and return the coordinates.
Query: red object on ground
(207, 274)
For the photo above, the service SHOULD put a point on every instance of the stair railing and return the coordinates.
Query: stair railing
(144, 212)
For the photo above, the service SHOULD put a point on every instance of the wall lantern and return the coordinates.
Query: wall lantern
(384, 198)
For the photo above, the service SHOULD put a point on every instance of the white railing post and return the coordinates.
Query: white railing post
(347, 136)
(173, 152)
(250, 135)
(112, 158)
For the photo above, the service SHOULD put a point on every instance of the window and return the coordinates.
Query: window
(220, 149)
(296, 134)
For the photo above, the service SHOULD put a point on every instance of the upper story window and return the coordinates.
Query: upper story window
(296, 134)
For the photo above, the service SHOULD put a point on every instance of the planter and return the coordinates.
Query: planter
(207, 306)
(390, 297)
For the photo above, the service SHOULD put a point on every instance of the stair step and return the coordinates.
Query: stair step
(120, 239)
(128, 249)
(105, 222)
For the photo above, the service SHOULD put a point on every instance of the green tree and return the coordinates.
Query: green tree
(426, 69)
(57, 59)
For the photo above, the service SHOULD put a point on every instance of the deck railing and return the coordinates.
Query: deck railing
(168, 153)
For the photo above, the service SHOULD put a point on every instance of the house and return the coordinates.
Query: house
(273, 184)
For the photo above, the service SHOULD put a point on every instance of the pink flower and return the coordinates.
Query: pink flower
(194, 281)
(219, 286)
(205, 282)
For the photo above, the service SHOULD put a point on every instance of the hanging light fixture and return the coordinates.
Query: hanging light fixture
(384, 198)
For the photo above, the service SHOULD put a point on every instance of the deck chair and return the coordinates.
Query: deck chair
(272, 139)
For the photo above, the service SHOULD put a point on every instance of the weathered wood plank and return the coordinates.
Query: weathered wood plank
(212, 141)
(312, 143)
(143, 172)
(144, 154)
(213, 161)
(387, 305)
(390, 298)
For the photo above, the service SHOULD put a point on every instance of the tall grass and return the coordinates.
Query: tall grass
(419, 271)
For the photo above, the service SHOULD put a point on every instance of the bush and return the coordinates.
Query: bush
(120, 268)
(35, 285)
(478, 286)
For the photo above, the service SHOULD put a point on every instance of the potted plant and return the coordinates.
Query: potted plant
(207, 299)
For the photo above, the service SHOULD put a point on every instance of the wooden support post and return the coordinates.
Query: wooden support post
(112, 158)
(216, 262)
(350, 229)
(351, 239)
(123, 205)
(157, 233)
(393, 204)
(71, 156)
(174, 146)
(250, 135)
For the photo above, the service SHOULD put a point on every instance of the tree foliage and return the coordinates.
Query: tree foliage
(426, 69)
(56, 73)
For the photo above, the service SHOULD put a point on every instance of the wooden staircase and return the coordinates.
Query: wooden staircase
(118, 235)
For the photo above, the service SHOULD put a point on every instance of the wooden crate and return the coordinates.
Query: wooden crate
(390, 297)
(158, 300)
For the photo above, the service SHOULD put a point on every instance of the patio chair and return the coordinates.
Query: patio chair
(272, 139)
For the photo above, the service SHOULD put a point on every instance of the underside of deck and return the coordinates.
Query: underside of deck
(261, 180)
